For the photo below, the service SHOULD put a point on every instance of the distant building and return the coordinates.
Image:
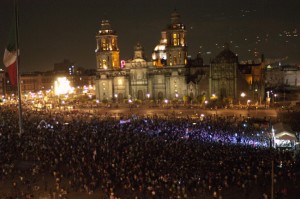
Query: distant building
(171, 73)
(285, 75)
(162, 78)
(291, 75)
(33, 82)
(66, 66)
(42, 81)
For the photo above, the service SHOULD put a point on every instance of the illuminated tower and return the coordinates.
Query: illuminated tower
(107, 52)
(107, 57)
(176, 47)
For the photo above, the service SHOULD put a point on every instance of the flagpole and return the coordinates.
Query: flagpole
(18, 64)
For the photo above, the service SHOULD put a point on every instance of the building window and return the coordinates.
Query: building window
(113, 43)
(103, 44)
(175, 39)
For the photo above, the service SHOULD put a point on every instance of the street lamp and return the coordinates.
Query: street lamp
(97, 102)
(242, 95)
(130, 101)
(275, 95)
(166, 102)
(116, 97)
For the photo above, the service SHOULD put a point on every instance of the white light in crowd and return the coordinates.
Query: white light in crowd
(62, 86)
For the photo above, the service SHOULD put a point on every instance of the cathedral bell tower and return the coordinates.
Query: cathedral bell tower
(107, 52)
(176, 47)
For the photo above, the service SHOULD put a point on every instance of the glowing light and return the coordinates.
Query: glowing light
(62, 86)
(123, 63)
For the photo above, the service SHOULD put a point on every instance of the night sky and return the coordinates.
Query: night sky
(53, 30)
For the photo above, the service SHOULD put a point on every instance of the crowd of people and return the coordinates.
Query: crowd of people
(138, 157)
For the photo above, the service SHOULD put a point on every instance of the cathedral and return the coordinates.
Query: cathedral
(171, 74)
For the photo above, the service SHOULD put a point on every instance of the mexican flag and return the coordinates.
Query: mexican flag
(10, 57)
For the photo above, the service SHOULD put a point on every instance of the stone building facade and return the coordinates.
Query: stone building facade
(164, 77)
(170, 74)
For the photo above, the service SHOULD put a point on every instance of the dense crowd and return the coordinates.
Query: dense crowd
(138, 156)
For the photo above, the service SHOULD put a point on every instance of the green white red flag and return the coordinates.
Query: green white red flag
(10, 57)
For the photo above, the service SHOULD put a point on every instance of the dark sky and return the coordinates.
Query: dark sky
(53, 30)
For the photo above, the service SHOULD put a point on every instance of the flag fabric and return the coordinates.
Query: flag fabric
(10, 57)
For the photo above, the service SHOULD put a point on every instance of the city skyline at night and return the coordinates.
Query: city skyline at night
(52, 31)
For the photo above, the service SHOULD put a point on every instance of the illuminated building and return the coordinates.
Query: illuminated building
(33, 82)
(164, 77)
(171, 74)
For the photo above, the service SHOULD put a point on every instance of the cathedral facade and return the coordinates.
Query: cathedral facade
(164, 77)
(169, 75)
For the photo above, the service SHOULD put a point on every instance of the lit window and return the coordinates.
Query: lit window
(104, 64)
(103, 44)
(175, 39)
